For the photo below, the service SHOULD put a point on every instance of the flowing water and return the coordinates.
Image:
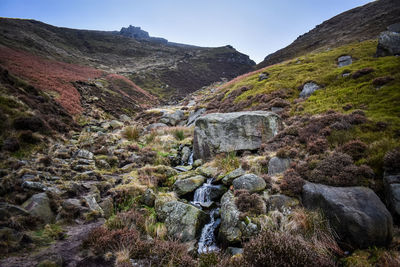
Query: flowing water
(202, 198)
(190, 160)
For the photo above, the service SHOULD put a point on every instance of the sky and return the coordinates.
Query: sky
(254, 27)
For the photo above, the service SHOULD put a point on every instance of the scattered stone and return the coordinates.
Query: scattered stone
(184, 221)
(84, 154)
(282, 203)
(209, 172)
(148, 198)
(226, 132)
(344, 61)
(186, 151)
(155, 126)
(124, 118)
(308, 89)
(188, 185)
(103, 164)
(116, 124)
(8, 210)
(388, 44)
(39, 205)
(227, 179)
(357, 214)
(172, 119)
(33, 186)
(92, 204)
(263, 76)
(107, 206)
(197, 163)
(278, 165)
(250, 182)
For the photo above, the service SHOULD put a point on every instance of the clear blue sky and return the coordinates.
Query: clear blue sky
(254, 27)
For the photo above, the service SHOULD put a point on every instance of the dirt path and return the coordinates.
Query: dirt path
(66, 251)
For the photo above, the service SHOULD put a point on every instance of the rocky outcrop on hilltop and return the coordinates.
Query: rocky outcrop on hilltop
(139, 34)
(358, 24)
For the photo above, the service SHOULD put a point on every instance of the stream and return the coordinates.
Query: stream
(202, 199)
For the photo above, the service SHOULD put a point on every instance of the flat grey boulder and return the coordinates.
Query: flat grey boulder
(357, 214)
(250, 182)
(227, 179)
(226, 132)
(183, 221)
(344, 61)
(39, 205)
(277, 165)
(308, 89)
(154, 126)
(388, 44)
(188, 185)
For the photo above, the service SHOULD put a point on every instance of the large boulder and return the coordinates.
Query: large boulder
(357, 214)
(188, 185)
(250, 182)
(39, 205)
(388, 44)
(226, 132)
(183, 221)
(227, 179)
(229, 231)
(194, 115)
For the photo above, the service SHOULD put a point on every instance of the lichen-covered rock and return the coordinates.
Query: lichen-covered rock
(344, 61)
(277, 165)
(162, 210)
(308, 89)
(227, 179)
(183, 221)
(107, 206)
(229, 232)
(172, 119)
(281, 202)
(250, 182)
(388, 44)
(188, 185)
(84, 154)
(148, 198)
(226, 132)
(194, 115)
(357, 214)
(39, 205)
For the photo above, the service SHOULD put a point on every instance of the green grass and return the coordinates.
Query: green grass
(379, 104)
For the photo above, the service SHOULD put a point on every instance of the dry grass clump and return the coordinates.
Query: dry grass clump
(227, 162)
(132, 133)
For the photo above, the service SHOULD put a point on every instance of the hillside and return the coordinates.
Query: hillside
(358, 24)
(167, 70)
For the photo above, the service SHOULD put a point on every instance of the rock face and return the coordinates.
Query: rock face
(39, 205)
(277, 165)
(226, 132)
(357, 214)
(194, 115)
(392, 192)
(183, 221)
(308, 89)
(344, 61)
(250, 182)
(229, 232)
(388, 44)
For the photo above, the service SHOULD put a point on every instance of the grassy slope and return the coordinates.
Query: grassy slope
(379, 104)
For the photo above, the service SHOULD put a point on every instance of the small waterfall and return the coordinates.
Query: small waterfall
(208, 242)
(190, 160)
(202, 198)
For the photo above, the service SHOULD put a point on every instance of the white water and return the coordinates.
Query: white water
(190, 160)
(202, 198)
